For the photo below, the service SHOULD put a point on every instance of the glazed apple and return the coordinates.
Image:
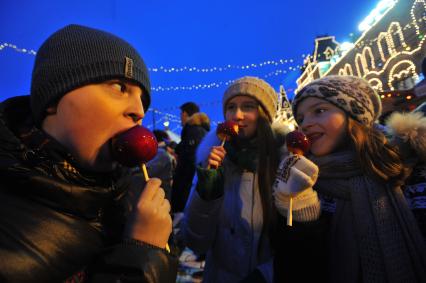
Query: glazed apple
(135, 146)
(297, 142)
(227, 130)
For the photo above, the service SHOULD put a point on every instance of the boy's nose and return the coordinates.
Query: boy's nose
(136, 111)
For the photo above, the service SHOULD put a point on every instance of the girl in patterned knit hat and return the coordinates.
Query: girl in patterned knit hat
(365, 232)
(230, 208)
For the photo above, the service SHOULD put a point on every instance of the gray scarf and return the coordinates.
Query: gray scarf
(374, 236)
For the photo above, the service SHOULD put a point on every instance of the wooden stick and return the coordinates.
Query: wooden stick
(290, 212)
(145, 174)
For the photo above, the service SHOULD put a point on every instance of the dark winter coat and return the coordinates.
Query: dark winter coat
(192, 133)
(59, 222)
(408, 132)
(366, 232)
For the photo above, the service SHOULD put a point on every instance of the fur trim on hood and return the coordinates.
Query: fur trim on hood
(408, 129)
(199, 119)
(279, 129)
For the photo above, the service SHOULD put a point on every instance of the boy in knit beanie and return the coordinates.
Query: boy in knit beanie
(77, 214)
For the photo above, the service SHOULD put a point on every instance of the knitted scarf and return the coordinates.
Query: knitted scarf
(375, 215)
(243, 153)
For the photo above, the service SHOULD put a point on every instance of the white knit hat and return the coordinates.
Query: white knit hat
(257, 88)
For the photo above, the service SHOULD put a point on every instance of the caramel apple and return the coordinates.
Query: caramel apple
(227, 130)
(135, 146)
(297, 142)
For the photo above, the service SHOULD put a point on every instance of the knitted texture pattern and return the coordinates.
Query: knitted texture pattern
(256, 88)
(351, 94)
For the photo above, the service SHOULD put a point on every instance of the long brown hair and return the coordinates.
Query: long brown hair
(266, 169)
(378, 158)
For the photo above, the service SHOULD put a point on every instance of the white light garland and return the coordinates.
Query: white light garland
(277, 62)
(212, 85)
(218, 84)
(15, 48)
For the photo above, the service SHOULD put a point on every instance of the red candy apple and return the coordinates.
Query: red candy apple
(135, 146)
(227, 130)
(297, 142)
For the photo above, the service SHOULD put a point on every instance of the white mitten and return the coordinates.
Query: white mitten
(295, 177)
(295, 174)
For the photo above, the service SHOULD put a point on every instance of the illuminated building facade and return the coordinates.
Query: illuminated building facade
(284, 113)
(388, 54)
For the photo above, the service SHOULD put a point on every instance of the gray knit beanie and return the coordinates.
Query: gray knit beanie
(351, 94)
(257, 88)
(75, 56)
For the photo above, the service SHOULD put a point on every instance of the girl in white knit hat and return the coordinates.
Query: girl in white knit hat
(230, 209)
(366, 232)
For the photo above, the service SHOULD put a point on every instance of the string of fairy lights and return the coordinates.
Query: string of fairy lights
(227, 67)
(219, 84)
(216, 84)
(163, 69)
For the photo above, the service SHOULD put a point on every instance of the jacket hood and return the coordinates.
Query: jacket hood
(408, 131)
(199, 119)
(278, 128)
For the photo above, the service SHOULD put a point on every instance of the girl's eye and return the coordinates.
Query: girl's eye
(319, 110)
(299, 120)
(230, 107)
(248, 107)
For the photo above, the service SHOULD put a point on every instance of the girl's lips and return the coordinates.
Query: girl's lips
(314, 137)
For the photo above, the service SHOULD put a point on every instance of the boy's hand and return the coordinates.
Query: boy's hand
(150, 220)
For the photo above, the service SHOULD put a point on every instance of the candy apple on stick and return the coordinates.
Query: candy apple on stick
(225, 132)
(135, 147)
(297, 143)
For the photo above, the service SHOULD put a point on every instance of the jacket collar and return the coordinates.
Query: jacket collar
(37, 165)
